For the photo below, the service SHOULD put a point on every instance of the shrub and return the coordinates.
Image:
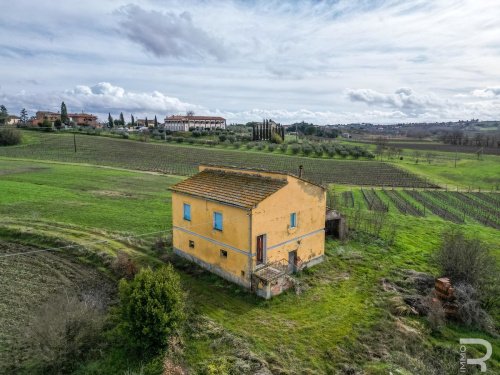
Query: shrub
(283, 147)
(65, 331)
(231, 138)
(464, 259)
(307, 150)
(260, 146)
(152, 308)
(295, 148)
(272, 147)
(123, 266)
(250, 145)
(190, 141)
(331, 151)
(318, 151)
(10, 137)
(276, 138)
(222, 138)
(236, 145)
(179, 139)
(169, 138)
(435, 312)
(469, 310)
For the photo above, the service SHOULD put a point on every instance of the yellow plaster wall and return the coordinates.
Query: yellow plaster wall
(272, 217)
(235, 233)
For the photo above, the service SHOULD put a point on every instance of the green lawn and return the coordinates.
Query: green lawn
(473, 173)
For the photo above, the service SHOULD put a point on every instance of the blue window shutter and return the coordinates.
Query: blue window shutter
(293, 220)
(187, 212)
(217, 220)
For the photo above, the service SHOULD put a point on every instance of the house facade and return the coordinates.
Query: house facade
(251, 227)
(83, 119)
(185, 123)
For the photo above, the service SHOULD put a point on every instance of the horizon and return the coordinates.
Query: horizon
(329, 62)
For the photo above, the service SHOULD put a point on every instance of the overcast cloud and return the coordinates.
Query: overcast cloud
(325, 62)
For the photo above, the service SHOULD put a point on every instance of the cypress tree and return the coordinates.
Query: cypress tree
(64, 114)
(122, 119)
(110, 121)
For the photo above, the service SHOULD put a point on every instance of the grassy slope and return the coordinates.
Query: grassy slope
(310, 331)
(472, 173)
(88, 196)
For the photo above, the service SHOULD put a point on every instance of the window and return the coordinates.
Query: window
(217, 221)
(187, 212)
(293, 220)
(223, 253)
(191, 244)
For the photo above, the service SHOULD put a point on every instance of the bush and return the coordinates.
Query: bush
(272, 147)
(179, 139)
(250, 145)
(222, 138)
(295, 148)
(276, 138)
(465, 260)
(10, 137)
(283, 147)
(469, 310)
(307, 150)
(123, 266)
(66, 330)
(152, 308)
(236, 145)
(260, 146)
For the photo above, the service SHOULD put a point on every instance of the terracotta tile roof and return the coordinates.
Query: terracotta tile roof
(236, 189)
(187, 118)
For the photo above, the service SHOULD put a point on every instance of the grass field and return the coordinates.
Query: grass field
(468, 173)
(341, 309)
(184, 160)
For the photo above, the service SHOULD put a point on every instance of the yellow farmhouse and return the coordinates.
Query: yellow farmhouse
(252, 227)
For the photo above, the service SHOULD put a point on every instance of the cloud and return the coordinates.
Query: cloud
(403, 99)
(101, 99)
(166, 34)
(489, 92)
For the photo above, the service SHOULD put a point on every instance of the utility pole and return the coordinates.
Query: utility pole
(74, 140)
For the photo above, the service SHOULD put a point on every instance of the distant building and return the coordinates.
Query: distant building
(41, 116)
(185, 123)
(83, 119)
(12, 120)
(252, 227)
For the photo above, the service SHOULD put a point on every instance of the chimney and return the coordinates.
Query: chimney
(300, 171)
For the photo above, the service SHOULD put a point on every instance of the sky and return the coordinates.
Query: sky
(326, 62)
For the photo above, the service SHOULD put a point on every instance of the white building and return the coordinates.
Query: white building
(184, 123)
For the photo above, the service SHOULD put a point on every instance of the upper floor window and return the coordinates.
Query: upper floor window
(187, 212)
(217, 221)
(293, 220)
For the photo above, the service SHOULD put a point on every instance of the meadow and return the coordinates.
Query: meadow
(340, 320)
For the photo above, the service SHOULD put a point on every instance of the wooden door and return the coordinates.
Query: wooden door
(260, 249)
